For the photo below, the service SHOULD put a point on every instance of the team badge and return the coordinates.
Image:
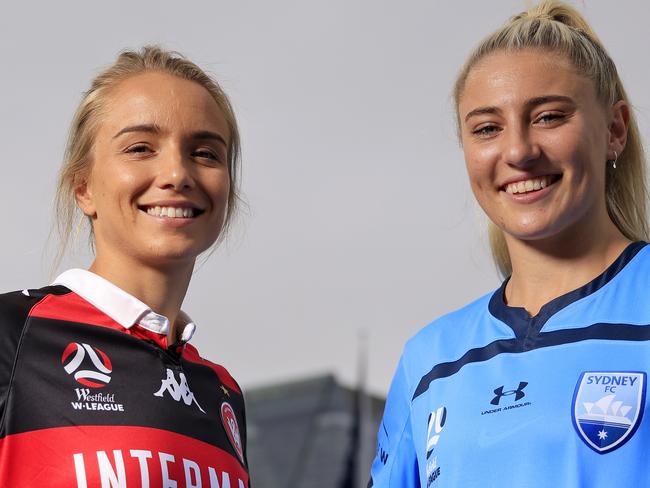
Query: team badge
(608, 407)
(95, 373)
(232, 428)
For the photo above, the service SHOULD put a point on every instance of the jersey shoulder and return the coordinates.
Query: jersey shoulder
(15, 306)
(450, 336)
(15, 309)
(191, 354)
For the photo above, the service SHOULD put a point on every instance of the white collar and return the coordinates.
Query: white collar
(125, 309)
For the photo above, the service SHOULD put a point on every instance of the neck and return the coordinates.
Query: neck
(162, 288)
(548, 268)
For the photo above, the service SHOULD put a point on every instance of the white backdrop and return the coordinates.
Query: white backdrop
(360, 216)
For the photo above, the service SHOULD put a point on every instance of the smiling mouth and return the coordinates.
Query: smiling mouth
(172, 212)
(530, 185)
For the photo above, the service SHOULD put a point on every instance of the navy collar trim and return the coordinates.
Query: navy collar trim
(520, 321)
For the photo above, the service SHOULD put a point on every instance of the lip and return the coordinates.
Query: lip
(532, 196)
(174, 222)
(171, 203)
(516, 179)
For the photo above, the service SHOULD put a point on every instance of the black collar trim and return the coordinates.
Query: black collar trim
(518, 319)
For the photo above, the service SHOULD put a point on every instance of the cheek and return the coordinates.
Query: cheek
(218, 187)
(480, 168)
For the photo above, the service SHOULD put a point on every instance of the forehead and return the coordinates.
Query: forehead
(165, 100)
(505, 78)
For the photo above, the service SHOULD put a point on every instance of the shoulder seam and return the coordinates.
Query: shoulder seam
(407, 421)
(15, 359)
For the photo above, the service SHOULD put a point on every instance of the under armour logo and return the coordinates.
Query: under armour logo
(178, 391)
(518, 393)
(435, 423)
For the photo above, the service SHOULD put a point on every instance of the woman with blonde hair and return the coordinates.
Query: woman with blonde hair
(98, 383)
(542, 382)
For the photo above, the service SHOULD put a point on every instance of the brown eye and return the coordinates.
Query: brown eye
(486, 130)
(208, 154)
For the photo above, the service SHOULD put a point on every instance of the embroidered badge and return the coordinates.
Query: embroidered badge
(232, 428)
(608, 407)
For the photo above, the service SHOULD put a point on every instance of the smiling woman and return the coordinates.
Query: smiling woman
(99, 385)
(537, 383)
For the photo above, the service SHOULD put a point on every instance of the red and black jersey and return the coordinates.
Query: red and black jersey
(87, 402)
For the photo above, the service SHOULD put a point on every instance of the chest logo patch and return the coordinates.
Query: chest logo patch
(435, 424)
(608, 407)
(232, 428)
(94, 372)
(178, 390)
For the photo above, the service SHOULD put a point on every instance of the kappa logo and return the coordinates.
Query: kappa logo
(178, 391)
(608, 407)
(232, 428)
(73, 363)
(518, 393)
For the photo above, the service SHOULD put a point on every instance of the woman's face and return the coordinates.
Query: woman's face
(536, 141)
(159, 183)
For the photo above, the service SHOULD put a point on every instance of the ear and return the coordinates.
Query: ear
(618, 125)
(84, 195)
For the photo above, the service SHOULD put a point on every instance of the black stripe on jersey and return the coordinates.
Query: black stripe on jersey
(527, 329)
(610, 332)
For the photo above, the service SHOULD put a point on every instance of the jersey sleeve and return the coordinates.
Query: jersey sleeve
(14, 309)
(396, 465)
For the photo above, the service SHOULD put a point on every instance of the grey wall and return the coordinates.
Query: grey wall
(360, 215)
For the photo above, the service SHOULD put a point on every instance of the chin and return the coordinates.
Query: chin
(536, 233)
(165, 256)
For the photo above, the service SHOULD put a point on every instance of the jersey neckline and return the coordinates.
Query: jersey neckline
(520, 321)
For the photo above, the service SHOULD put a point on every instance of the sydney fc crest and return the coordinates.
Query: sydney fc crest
(608, 407)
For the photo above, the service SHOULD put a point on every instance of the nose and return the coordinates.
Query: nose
(520, 149)
(175, 172)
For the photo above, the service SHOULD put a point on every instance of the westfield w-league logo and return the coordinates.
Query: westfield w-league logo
(90, 366)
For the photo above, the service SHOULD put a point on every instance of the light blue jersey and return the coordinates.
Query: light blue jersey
(489, 397)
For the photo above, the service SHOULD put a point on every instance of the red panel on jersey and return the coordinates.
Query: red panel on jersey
(72, 308)
(191, 354)
(93, 456)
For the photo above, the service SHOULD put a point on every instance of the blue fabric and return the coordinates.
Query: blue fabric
(489, 396)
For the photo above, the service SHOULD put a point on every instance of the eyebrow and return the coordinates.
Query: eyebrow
(529, 103)
(154, 129)
(204, 135)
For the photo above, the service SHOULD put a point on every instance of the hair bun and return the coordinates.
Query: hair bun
(556, 11)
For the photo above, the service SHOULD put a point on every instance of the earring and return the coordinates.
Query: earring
(615, 159)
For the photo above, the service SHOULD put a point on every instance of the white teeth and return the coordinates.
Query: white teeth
(171, 212)
(528, 185)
